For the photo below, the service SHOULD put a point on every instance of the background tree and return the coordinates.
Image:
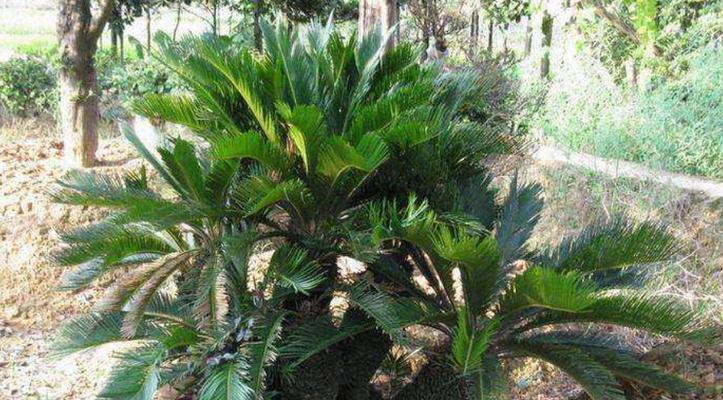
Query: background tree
(382, 12)
(78, 33)
(436, 19)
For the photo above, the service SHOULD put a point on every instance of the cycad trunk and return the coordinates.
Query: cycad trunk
(436, 381)
(490, 34)
(78, 34)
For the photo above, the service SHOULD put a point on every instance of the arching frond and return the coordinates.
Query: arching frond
(613, 244)
(136, 374)
(227, 381)
(543, 288)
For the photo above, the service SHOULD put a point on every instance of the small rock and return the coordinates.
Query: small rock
(11, 312)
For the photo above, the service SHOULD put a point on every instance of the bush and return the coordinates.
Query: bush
(28, 86)
(119, 83)
(297, 156)
(674, 126)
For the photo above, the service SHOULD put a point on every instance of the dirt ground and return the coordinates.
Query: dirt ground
(31, 309)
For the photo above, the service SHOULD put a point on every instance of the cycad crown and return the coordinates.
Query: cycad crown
(323, 147)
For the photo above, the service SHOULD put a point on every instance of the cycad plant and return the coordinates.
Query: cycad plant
(322, 148)
(510, 300)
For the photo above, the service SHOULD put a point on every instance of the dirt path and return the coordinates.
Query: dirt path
(626, 169)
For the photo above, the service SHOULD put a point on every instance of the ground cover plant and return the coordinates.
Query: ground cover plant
(324, 148)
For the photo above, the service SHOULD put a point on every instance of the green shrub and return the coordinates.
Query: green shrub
(120, 83)
(674, 126)
(28, 86)
(325, 149)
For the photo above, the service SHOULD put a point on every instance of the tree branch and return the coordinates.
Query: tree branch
(619, 24)
(98, 23)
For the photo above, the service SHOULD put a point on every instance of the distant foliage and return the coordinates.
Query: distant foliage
(676, 126)
(29, 83)
(28, 86)
(120, 83)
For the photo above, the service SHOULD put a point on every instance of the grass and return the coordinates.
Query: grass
(575, 197)
(675, 126)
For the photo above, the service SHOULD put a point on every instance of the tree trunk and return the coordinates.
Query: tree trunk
(122, 41)
(473, 32)
(78, 34)
(546, 45)
(258, 38)
(114, 43)
(490, 33)
(178, 19)
(622, 26)
(378, 12)
(148, 30)
(528, 37)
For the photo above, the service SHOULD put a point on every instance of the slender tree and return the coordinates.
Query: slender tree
(546, 44)
(78, 33)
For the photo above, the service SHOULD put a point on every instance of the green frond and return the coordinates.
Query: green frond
(263, 352)
(317, 335)
(136, 375)
(174, 108)
(293, 270)
(139, 296)
(256, 193)
(250, 145)
(639, 310)
(612, 244)
(211, 304)
(544, 288)
(337, 155)
(469, 344)
(137, 143)
(306, 130)
(92, 189)
(114, 246)
(184, 166)
(478, 261)
(391, 314)
(237, 249)
(87, 332)
(219, 180)
(621, 362)
(520, 213)
(237, 71)
(227, 381)
(121, 292)
(598, 381)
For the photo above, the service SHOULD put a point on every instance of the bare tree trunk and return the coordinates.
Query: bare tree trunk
(546, 45)
(473, 32)
(490, 33)
(631, 72)
(148, 30)
(178, 19)
(114, 43)
(122, 40)
(503, 31)
(78, 34)
(528, 37)
(258, 38)
(378, 12)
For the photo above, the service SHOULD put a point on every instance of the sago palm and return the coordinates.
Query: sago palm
(509, 300)
(292, 146)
